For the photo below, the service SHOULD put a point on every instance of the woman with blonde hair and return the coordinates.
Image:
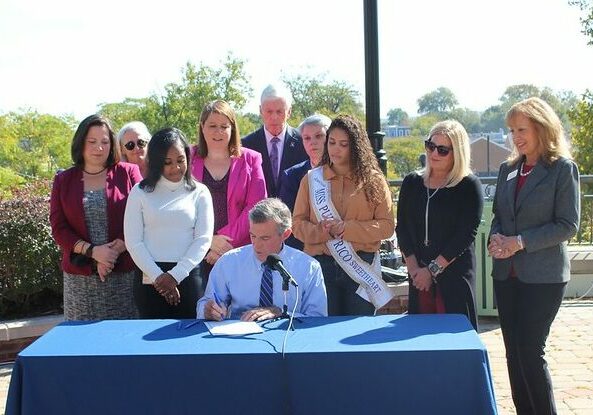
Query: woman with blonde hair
(536, 212)
(438, 213)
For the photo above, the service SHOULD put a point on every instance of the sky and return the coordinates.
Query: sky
(69, 56)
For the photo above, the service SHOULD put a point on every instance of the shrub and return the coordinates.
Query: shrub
(30, 276)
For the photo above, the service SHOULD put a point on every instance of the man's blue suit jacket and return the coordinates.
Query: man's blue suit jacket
(290, 181)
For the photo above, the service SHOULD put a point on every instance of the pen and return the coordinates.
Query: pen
(221, 304)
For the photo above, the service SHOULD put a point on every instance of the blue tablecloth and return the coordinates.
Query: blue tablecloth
(420, 364)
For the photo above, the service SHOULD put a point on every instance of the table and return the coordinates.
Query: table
(410, 364)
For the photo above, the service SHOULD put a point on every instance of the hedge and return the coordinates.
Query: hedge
(30, 276)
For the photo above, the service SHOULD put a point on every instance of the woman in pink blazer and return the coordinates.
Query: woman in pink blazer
(233, 175)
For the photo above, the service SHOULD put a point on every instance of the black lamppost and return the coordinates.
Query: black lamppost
(371, 71)
(488, 153)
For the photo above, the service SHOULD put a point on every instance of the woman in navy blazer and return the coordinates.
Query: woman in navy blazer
(233, 175)
(536, 211)
(86, 214)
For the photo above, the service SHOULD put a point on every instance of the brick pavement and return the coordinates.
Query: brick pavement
(569, 355)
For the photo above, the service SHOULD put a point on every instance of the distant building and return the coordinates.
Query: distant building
(487, 156)
(497, 137)
(396, 131)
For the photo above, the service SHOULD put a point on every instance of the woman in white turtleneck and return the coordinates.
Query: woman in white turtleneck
(168, 228)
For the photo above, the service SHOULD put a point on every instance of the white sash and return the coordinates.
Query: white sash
(371, 285)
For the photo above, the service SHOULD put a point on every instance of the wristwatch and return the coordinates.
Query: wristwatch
(434, 268)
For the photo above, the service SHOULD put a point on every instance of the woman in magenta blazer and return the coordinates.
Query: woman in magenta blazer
(233, 175)
(86, 214)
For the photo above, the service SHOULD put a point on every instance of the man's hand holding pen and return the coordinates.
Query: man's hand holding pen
(215, 311)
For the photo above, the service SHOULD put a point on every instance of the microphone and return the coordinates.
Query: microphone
(273, 261)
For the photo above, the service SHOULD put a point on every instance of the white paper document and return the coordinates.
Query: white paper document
(232, 327)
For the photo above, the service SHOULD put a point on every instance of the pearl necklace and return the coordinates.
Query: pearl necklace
(525, 174)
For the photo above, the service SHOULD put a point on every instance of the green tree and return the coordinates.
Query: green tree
(561, 102)
(314, 94)
(581, 117)
(587, 21)
(397, 116)
(439, 101)
(8, 181)
(403, 155)
(130, 109)
(492, 119)
(35, 145)
(516, 93)
(468, 118)
(246, 123)
(180, 103)
(421, 125)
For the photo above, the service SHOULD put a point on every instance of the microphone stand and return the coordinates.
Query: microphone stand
(285, 315)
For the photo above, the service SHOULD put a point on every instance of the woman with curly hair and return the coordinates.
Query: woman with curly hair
(342, 212)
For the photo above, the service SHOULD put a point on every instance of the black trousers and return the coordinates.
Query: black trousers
(152, 305)
(526, 312)
(342, 299)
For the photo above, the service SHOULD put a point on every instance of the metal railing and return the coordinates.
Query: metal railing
(585, 233)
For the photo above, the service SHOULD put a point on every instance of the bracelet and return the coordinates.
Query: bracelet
(89, 251)
(520, 242)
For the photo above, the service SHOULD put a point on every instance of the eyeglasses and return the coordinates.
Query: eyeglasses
(130, 145)
(442, 150)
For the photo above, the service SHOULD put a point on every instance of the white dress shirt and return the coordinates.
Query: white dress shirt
(236, 280)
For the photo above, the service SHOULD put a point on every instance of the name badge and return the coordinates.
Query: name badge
(512, 175)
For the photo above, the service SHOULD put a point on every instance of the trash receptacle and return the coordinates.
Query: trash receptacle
(485, 300)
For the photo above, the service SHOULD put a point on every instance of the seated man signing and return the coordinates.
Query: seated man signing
(241, 286)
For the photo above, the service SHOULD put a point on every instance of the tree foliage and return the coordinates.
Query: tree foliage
(421, 125)
(35, 145)
(30, 277)
(179, 104)
(314, 94)
(439, 101)
(586, 7)
(468, 118)
(397, 116)
(403, 155)
(493, 118)
(581, 117)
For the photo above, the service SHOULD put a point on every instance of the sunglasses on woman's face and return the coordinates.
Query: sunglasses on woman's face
(130, 145)
(442, 150)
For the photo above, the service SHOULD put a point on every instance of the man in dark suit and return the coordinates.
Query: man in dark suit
(279, 144)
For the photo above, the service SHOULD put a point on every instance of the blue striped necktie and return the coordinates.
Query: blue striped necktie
(267, 288)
